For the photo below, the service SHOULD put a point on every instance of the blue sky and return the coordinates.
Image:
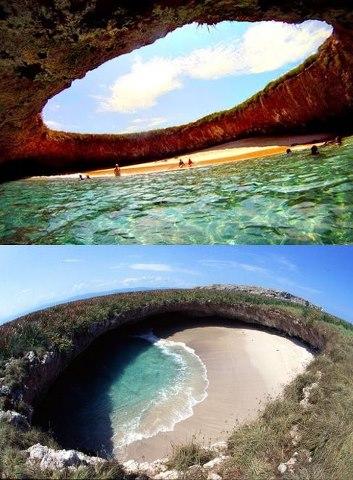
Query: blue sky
(193, 71)
(37, 276)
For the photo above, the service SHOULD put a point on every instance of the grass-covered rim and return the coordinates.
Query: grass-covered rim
(318, 432)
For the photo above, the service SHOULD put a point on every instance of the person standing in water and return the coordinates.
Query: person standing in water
(314, 150)
(337, 141)
(117, 171)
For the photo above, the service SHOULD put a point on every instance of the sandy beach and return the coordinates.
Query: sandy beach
(245, 367)
(226, 153)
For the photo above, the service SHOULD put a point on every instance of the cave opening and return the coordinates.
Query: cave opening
(141, 387)
(67, 44)
(193, 72)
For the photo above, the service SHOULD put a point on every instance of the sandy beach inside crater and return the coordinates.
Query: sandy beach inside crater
(226, 153)
(246, 368)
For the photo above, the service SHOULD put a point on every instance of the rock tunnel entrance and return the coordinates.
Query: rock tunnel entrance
(139, 388)
(46, 47)
(192, 72)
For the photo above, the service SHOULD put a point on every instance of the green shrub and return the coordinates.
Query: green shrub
(183, 456)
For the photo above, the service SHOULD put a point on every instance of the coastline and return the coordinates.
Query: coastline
(175, 404)
(230, 152)
(246, 368)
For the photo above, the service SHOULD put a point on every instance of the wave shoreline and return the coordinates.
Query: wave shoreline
(192, 398)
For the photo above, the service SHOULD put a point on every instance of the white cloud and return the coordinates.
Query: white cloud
(143, 85)
(152, 267)
(71, 260)
(77, 287)
(286, 263)
(162, 267)
(141, 124)
(53, 124)
(130, 281)
(264, 47)
(221, 264)
(141, 281)
(118, 266)
(252, 268)
(54, 106)
(26, 291)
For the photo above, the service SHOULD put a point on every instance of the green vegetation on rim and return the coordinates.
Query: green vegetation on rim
(184, 456)
(324, 438)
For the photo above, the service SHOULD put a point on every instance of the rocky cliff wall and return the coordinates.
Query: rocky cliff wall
(43, 371)
(46, 45)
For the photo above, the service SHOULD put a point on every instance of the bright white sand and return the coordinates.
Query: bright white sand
(245, 368)
(226, 153)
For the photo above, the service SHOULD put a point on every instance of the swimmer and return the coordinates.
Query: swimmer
(117, 171)
(314, 150)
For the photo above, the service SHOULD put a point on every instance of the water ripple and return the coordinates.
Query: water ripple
(297, 199)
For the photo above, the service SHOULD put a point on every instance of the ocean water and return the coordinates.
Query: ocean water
(280, 200)
(121, 390)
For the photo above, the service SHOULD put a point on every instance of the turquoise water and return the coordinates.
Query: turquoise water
(284, 199)
(122, 390)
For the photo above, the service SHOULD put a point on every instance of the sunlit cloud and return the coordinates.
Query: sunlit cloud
(162, 267)
(54, 124)
(264, 47)
(142, 124)
(249, 267)
(54, 107)
(141, 281)
(153, 267)
(286, 263)
(71, 260)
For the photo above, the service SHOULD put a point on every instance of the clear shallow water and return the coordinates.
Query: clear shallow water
(296, 199)
(122, 390)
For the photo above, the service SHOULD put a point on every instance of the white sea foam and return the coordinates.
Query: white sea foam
(181, 396)
(52, 177)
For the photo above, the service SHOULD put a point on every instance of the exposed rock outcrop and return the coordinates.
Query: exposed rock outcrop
(50, 459)
(308, 390)
(152, 469)
(47, 45)
(300, 457)
(14, 418)
(215, 462)
(265, 292)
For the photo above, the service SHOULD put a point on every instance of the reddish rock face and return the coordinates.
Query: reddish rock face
(45, 45)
